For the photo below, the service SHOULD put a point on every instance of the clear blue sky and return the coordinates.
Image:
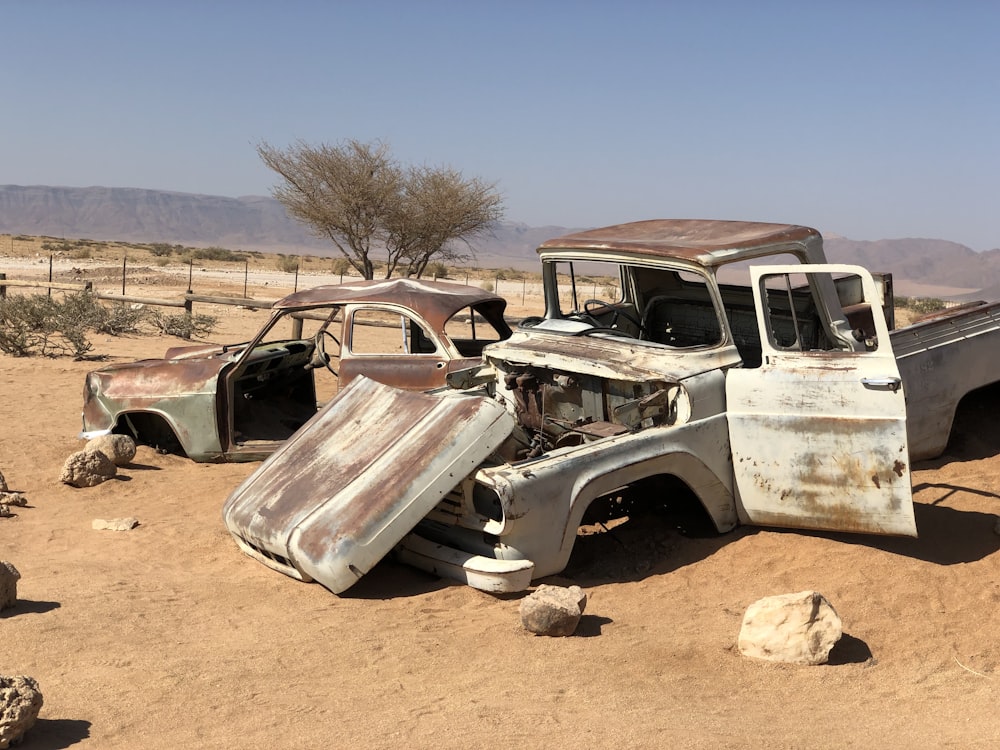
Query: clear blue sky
(877, 119)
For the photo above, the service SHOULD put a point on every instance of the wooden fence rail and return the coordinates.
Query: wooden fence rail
(186, 301)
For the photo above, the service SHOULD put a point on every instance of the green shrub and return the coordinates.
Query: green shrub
(921, 305)
(287, 263)
(341, 266)
(437, 270)
(215, 253)
(161, 249)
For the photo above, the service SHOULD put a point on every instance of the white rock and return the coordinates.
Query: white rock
(87, 469)
(553, 610)
(114, 524)
(119, 448)
(8, 584)
(13, 498)
(795, 628)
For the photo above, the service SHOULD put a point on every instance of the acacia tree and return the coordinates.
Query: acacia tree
(360, 199)
(438, 213)
(341, 192)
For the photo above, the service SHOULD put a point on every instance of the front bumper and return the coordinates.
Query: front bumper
(483, 573)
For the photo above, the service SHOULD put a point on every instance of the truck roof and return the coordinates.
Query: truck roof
(709, 242)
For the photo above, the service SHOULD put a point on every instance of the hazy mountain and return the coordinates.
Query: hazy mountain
(260, 223)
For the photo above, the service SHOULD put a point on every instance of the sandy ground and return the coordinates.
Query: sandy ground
(168, 637)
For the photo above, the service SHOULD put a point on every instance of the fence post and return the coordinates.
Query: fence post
(3, 288)
(296, 279)
(246, 274)
(188, 305)
(124, 258)
(50, 274)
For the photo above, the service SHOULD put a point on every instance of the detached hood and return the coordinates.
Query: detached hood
(354, 480)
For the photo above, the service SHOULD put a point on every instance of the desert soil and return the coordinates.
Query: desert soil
(166, 636)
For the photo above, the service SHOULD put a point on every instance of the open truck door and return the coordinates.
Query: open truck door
(818, 431)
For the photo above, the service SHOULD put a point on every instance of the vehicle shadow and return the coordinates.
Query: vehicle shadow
(390, 579)
(659, 542)
(947, 536)
(975, 432)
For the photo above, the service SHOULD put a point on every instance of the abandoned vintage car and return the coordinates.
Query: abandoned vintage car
(785, 401)
(238, 402)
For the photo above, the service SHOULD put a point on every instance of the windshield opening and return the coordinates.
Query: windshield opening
(668, 306)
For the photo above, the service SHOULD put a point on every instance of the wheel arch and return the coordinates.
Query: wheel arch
(713, 494)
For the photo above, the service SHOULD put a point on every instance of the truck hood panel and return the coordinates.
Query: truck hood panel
(614, 358)
(352, 482)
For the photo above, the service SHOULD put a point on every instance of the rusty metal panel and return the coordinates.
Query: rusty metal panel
(350, 484)
(436, 301)
(181, 391)
(708, 242)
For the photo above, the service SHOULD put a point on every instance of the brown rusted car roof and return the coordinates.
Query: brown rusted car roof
(708, 241)
(437, 301)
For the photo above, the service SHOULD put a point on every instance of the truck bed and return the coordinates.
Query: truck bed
(943, 357)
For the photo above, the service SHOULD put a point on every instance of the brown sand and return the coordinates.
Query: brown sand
(167, 636)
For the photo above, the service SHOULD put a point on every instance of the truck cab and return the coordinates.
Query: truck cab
(777, 402)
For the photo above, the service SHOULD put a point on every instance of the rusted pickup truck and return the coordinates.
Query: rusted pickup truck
(238, 402)
(785, 401)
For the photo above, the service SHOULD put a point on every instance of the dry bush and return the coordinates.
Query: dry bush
(38, 324)
(41, 325)
(184, 325)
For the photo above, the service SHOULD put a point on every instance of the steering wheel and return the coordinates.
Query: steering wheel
(320, 352)
(591, 305)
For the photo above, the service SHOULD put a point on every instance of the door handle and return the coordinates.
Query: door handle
(888, 383)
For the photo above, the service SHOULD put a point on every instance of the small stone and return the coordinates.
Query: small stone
(87, 469)
(8, 584)
(20, 702)
(119, 448)
(553, 610)
(114, 524)
(797, 628)
(13, 498)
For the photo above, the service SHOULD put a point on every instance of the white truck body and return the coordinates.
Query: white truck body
(778, 403)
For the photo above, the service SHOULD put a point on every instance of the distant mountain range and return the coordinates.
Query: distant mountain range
(919, 266)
